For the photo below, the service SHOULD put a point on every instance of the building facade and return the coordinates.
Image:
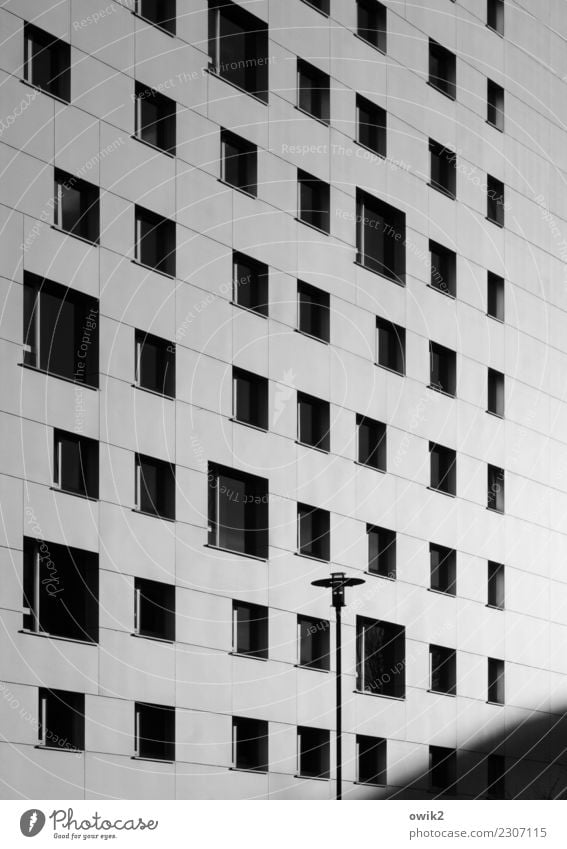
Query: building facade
(283, 294)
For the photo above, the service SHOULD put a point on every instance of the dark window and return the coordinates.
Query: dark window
(155, 118)
(313, 91)
(158, 12)
(380, 237)
(238, 511)
(442, 69)
(154, 611)
(495, 15)
(250, 283)
(443, 469)
(443, 174)
(314, 642)
(313, 532)
(443, 670)
(239, 163)
(496, 585)
(371, 23)
(370, 125)
(496, 777)
(250, 398)
(371, 443)
(47, 62)
(495, 483)
(495, 392)
(381, 551)
(155, 487)
(313, 747)
(321, 5)
(313, 201)
(76, 207)
(313, 315)
(443, 567)
(495, 200)
(391, 345)
(495, 681)
(250, 629)
(313, 426)
(380, 657)
(371, 752)
(60, 587)
(495, 296)
(443, 369)
(75, 464)
(442, 769)
(495, 104)
(155, 364)
(250, 744)
(238, 47)
(155, 241)
(61, 720)
(443, 269)
(155, 732)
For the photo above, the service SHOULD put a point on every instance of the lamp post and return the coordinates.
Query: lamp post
(337, 583)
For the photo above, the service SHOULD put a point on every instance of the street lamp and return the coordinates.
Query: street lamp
(337, 583)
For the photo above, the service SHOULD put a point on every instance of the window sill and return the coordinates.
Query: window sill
(311, 668)
(495, 510)
(243, 769)
(92, 242)
(441, 592)
(211, 70)
(311, 336)
(380, 695)
(452, 97)
(442, 291)
(442, 191)
(311, 557)
(395, 280)
(238, 553)
(153, 24)
(59, 377)
(152, 392)
(391, 370)
(249, 656)
(59, 749)
(369, 784)
(442, 693)
(313, 447)
(238, 189)
(495, 318)
(496, 223)
(315, 117)
(44, 91)
(441, 391)
(152, 268)
(248, 424)
(153, 146)
(442, 492)
(368, 466)
(495, 31)
(324, 14)
(151, 760)
(377, 153)
(152, 515)
(155, 639)
(495, 415)
(311, 777)
(312, 226)
(495, 607)
(248, 309)
(370, 43)
(494, 127)
(378, 575)
(76, 494)
(45, 635)
(498, 704)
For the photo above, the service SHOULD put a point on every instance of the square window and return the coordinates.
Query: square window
(313, 427)
(47, 62)
(381, 551)
(442, 69)
(155, 364)
(250, 398)
(313, 532)
(443, 269)
(371, 443)
(495, 105)
(321, 5)
(314, 642)
(155, 241)
(76, 207)
(443, 469)
(380, 657)
(60, 591)
(61, 720)
(443, 174)
(443, 769)
(75, 464)
(380, 237)
(314, 198)
(250, 283)
(495, 296)
(238, 47)
(443, 563)
(496, 585)
(496, 777)
(313, 752)
(370, 125)
(154, 609)
(495, 15)
(250, 629)
(161, 13)
(155, 118)
(313, 91)
(443, 369)
(495, 392)
(250, 744)
(391, 344)
(238, 511)
(371, 760)
(155, 732)
(313, 313)
(443, 670)
(495, 488)
(495, 200)
(495, 681)
(239, 163)
(372, 23)
(155, 487)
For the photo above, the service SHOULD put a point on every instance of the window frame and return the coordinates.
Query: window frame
(442, 670)
(378, 436)
(317, 522)
(245, 162)
(319, 739)
(495, 296)
(379, 12)
(385, 258)
(396, 346)
(320, 422)
(67, 702)
(496, 495)
(322, 213)
(166, 350)
(58, 53)
(495, 16)
(258, 630)
(443, 574)
(442, 160)
(381, 774)
(445, 81)
(495, 201)
(87, 225)
(255, 34)
(259, 387)
(163, 231)
(88, 463)
(447, 457)
(391, 649)
(495, 98)
(163, 501)
(251, 727)
(315, 303)
(496, 681)
(321, 662)
(442, 369)
(313, 86)
(165, 605)
(167, 25)
(386, 549)
(259, 281)
(254, 536)
(496, 393)
(168, 742)
(443, 269)
(379, 125)
(165, 126)
(496, 585)
(443, 760)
